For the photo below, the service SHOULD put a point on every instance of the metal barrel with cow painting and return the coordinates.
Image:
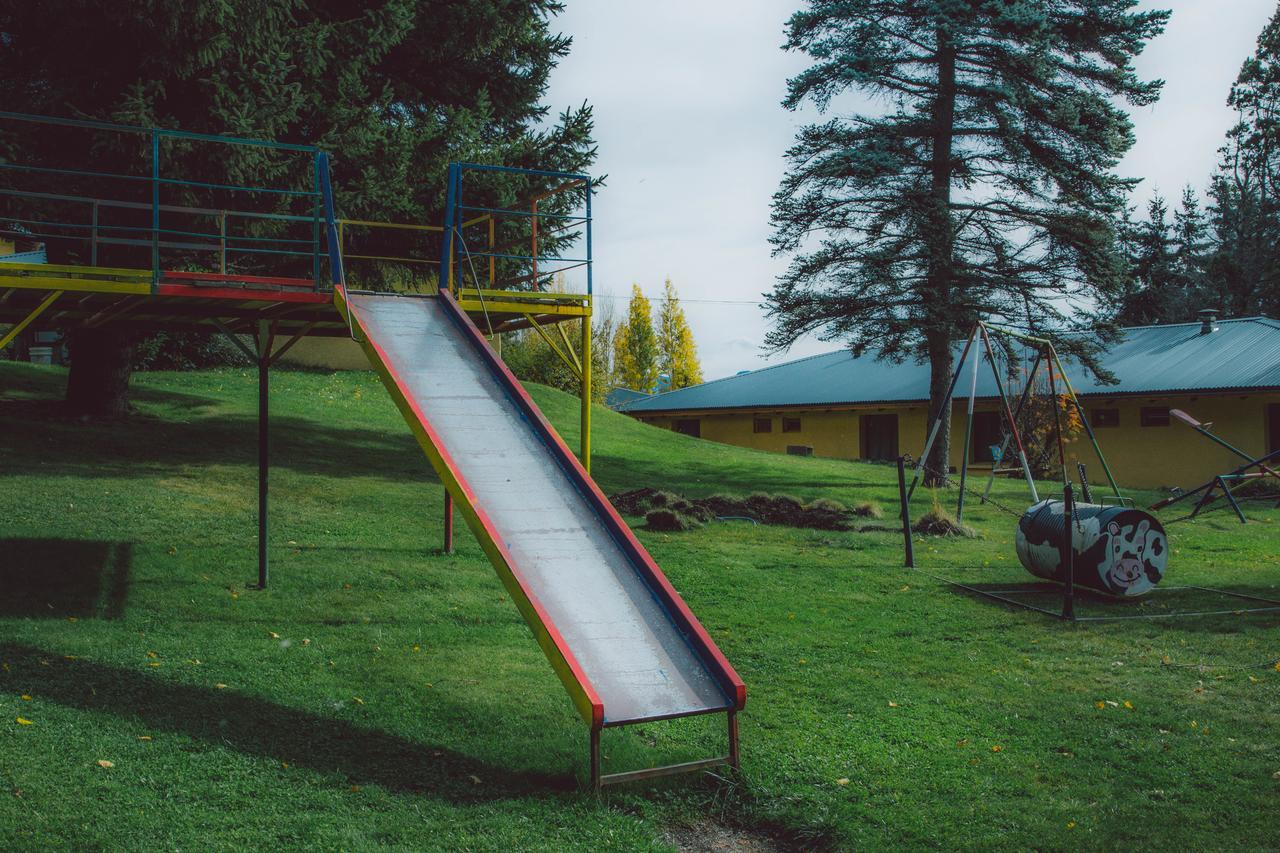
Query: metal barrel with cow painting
(1118, 550)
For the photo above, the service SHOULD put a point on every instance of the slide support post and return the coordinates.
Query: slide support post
(264, 445)
(448, 522)
(735, 757)
(595, 759)
(584, 440)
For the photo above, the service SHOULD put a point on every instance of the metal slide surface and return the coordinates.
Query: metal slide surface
(633, 653)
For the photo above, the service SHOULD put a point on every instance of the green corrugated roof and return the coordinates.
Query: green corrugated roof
(1241, 354)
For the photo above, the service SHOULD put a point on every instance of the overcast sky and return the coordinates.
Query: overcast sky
(687, 105)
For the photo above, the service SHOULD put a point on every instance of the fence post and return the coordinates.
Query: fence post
(1068, 554)
(906, 515)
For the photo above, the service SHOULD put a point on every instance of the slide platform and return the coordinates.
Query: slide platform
(623, 642)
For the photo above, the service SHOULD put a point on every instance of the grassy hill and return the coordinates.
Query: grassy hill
(383, 694)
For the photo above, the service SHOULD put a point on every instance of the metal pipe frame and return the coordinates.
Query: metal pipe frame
(732, 759)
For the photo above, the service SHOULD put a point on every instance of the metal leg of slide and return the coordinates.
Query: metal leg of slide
(264, 447)
(595, 760)
(448, 522)
(584, 441)
(734, 756)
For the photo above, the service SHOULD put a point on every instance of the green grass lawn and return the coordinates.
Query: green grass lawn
(384, 694)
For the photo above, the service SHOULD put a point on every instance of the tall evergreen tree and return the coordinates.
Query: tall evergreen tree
(677, 352)
(1245, 191)
(981, 184)
(395, 89)
(635, 346)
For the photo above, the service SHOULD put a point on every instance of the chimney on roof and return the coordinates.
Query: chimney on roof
(1207, 318)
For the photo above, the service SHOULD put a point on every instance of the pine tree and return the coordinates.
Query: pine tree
(393, 89)
(981, 185)
(635, 346)
(1190, 245)
(677, 352)
(1151, 298)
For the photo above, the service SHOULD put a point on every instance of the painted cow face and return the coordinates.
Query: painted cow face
(1127, 555)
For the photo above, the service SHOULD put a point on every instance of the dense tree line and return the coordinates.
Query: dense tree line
(1223, 253)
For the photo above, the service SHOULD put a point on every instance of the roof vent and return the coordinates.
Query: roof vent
(1207, 318)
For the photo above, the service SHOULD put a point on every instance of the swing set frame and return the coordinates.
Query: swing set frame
(1046, 356)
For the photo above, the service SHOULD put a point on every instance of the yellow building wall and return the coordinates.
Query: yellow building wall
(1140, 457)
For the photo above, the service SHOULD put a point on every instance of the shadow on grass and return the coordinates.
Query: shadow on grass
(247, 724)
(57, 578)
(138, 447)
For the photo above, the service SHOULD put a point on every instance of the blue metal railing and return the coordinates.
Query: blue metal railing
(453, 244)
(242, 236)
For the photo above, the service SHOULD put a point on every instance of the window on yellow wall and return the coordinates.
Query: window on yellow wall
(762, 425)
(1154, 416)
(790, 424)
(688, 426)
(1101, 418)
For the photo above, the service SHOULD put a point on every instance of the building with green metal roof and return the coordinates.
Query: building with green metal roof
(835, 405)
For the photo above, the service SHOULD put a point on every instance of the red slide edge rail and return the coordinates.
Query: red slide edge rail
(597, 706)
(729, 680)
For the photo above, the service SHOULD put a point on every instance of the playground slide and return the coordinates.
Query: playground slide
(621, 639)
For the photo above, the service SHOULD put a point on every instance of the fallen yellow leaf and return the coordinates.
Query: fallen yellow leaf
(1100, 705)
(893, 704)
(70, 657)
(1128, 704)
(417, 648)
(220, 686)
(273, 635)
(997, 748)
(24, 722)
(1071, 824)
(154, 663)
(357, 700)
(73, 619)
(305, 641)
(842, 782)
(144, 737)
(1254, 679)
(26, 697)
(102, 762)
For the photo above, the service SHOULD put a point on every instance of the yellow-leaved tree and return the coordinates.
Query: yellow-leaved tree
(677, 353)
(635, 360)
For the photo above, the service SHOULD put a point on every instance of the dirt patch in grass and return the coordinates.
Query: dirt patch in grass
(669, 511)
(707, 836)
